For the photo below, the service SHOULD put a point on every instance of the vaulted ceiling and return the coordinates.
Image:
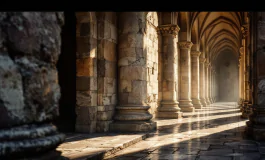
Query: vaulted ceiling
(214, 32)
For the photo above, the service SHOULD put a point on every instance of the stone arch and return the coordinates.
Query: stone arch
(195, 36)
(183, 21)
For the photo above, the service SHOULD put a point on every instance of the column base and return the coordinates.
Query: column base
(186, 106)
(211, 100)
(133, 126)
(169, 109)
(203, 102)
(196, 103)
(255, 131)
(207, 101)
(30, 140)
(246, 111)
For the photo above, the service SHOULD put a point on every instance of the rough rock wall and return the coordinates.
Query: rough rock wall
(227, 77)
(29, 91)
(151, 49)
(86, 74)
(107, 69)
(260, 91)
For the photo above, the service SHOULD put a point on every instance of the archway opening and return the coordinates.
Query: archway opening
(227, 76)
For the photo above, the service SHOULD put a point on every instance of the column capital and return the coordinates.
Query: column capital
(195, 53)
(244, 30)
(185, 44)
(202, 60)
(207, 64)
(168, 29)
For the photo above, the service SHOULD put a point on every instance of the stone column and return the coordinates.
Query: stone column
(202, 82)
(185, 77)
(207, 65)
(195, 79)
(210, 85)
(245, 110)
(169, 104)
(29, 89)
(132, 113)
(256, 124)
(239, 82)
(213, 85)
(212, 90)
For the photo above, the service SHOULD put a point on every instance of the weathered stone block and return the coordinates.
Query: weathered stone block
(123, 98)
(113, 100)
(105, 108)
(135, 72)
(85, 66)
(86, 114)
(86, 98)
(107, 50)
(104, 116)
(85, 47)
(125, 86)
(103, 126)
(85, 29)
(113, 33)
(86, 83)
(110, 69)
(82, 83)
(106, 100)
(83, 98)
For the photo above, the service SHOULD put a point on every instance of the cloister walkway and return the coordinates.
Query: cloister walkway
(212, 133)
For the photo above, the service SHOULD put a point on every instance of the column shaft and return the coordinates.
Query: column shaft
(195, 79)
(185, 77)
(169, 104)
(132, 113)
(207, 65)
(202, 81)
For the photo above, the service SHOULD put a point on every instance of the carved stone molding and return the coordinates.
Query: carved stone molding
(241, 50)
(244, 30)
(185, 45)
(202, 60)
(195, 53)
(168, 29)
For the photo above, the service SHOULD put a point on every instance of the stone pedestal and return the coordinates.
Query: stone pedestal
(256, 124)
(207, 85)
(132, 113)
(29, 89)
(185, 77)
(202, 81)
(195, 80)
(169, 105)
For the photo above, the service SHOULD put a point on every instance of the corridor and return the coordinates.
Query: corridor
(212, 133)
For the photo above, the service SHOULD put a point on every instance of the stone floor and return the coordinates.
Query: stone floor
(212, 133)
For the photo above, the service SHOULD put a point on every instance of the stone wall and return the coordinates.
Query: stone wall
(227, 77)
(86, 72)
(107, 69)
(151, 49)
(96, 35)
